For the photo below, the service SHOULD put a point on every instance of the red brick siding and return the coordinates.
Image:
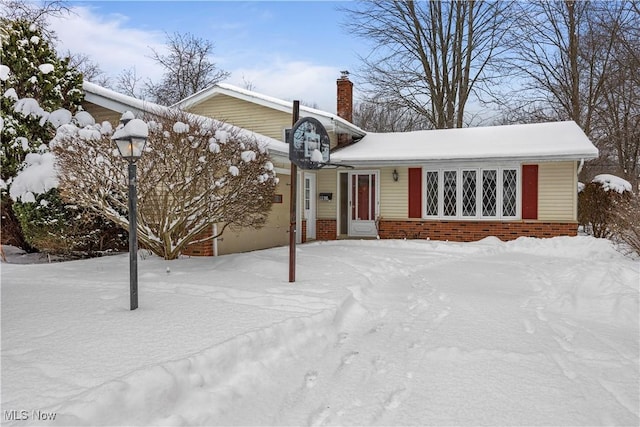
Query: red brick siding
(326, 229)
(344, 104)
(468, 231)
(200, 248)
(304, 231)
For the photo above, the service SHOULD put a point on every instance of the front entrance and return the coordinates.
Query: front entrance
(309, 204)
(364, 205)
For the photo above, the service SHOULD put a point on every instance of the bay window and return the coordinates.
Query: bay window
(466, 193)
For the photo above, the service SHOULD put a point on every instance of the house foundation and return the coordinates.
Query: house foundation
(469, 231)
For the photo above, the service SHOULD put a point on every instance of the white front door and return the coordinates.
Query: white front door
(364, 206)
(310, 204)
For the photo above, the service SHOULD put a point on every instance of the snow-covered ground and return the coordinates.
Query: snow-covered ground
(530, 332)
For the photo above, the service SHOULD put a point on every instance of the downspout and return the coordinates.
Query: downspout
(580, 166)
(215, 239)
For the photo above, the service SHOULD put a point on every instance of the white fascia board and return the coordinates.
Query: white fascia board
(462, 161)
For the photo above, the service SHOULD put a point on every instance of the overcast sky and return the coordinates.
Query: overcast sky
(286, 49)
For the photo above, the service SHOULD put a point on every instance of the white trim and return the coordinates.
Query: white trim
(350, 221)
(310, 215)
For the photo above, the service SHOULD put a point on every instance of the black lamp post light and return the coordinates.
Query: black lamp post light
(130, 138)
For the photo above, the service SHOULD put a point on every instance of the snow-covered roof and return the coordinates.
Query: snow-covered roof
(538, 141)
(330, 121)
(115, 101)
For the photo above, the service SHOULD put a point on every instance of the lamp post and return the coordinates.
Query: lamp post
(130, 138)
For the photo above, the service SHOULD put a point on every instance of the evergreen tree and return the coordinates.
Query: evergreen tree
(34, 71)
(35, 82)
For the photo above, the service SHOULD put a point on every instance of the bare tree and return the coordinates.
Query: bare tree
(34, 12)
(187, 66)
(247, 84)
(196, 172)
(578, 60)
(128, 82)
(433, 57)
(560, 58)
(89, 69)
(617, 119)
(379, 115)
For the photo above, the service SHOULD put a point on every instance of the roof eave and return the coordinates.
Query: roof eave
(327, 119)
(110, 104)
(495, 159)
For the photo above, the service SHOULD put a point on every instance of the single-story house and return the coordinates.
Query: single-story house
(456, 184)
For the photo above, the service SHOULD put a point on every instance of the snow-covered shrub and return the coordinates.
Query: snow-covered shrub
(54, 227)
(183, 185)
(598, 202)
(626, 224)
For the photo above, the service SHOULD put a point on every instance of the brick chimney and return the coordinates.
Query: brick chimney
(345, 97)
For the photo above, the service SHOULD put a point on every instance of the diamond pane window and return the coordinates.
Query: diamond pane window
(432, 193)
(468, 193)
(509, 188)
(449, 195)
(489, 192)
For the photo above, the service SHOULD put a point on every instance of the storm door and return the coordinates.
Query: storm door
(310, 204)
(364, 206)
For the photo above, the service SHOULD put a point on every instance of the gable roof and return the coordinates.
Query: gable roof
(115, 101)
(538, 141)
(330, 121)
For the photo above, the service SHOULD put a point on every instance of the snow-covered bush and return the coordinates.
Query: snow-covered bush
(626, 225)
(598, 202)
(59, 228)
(194, 172)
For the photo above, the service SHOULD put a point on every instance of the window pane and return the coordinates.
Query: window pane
(449, 195)
(364, 198)
(469, 193)
(432, 193)
(509, 186)
(489, 192)
(307, 193)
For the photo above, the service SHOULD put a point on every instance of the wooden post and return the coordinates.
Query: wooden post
(292, 204)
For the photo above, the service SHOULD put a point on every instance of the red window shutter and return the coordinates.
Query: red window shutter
(415, 192)
(530, 192)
